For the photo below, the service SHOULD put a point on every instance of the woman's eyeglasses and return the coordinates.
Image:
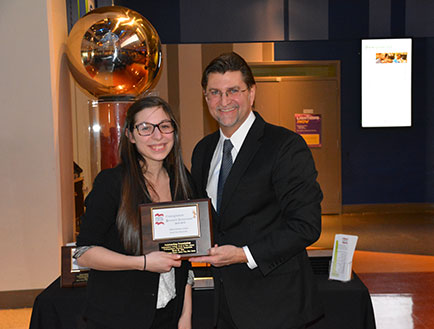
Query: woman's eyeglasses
(147, 128)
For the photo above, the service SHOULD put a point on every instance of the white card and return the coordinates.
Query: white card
(175, 222)
(342, 258)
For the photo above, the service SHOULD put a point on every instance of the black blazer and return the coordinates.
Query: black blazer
(271, 203)
(119, 299)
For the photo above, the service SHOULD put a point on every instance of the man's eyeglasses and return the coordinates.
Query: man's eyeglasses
(147, 128)
(215, 94)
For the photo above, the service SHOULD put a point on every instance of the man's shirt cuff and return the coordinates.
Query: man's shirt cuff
(250, 261)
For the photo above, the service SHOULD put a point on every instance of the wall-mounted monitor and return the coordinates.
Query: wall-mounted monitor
(386, 82)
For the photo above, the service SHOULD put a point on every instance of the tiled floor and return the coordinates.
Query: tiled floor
(401, 287)
(401, 284)
(402, 300)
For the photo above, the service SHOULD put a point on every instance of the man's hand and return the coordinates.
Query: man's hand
(222, 256)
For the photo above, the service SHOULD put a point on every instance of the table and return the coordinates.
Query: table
(347, 305)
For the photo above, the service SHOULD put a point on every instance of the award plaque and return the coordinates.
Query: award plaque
(179, 227)
(72, 274)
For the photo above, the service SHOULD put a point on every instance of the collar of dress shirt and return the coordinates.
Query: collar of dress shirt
(237, 140)
(238, 137)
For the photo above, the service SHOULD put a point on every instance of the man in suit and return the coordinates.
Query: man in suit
(266, 207)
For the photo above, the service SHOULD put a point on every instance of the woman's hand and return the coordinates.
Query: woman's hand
(161, 262)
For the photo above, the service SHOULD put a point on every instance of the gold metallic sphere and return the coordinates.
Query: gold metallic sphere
(114, 51)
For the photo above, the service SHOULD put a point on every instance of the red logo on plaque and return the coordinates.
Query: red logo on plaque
(159, 222)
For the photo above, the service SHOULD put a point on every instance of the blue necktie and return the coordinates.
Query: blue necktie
(224, 170)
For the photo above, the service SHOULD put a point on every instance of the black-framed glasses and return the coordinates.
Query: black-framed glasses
(147, 128)
(215, 94)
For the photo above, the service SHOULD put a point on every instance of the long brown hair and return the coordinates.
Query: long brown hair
(134, 184)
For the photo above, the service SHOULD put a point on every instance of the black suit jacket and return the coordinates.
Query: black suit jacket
(119, 299)
(271, 203)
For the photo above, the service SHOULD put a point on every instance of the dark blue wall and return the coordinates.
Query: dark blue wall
(379, 165)
(348, 19)
(164, 15)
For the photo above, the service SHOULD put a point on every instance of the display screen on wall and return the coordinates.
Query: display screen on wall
(386, 82)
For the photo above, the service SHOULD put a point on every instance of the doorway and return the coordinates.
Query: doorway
(285, 89)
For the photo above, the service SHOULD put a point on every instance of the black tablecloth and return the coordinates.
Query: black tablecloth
(347, 305)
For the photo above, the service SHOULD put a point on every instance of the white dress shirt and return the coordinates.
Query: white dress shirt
(237, 140)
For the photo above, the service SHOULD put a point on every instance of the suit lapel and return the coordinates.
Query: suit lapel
(250, 146)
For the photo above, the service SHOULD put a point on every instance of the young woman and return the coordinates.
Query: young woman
(127, 289)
